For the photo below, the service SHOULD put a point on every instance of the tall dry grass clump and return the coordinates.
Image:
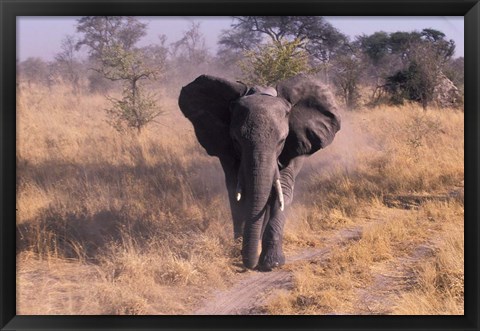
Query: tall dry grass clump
(143, 211)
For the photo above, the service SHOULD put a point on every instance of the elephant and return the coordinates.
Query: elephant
(261, 136)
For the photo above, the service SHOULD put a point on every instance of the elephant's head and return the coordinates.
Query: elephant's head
(261, 136)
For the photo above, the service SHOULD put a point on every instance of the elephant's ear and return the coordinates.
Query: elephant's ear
(314, 118)
(205, 102)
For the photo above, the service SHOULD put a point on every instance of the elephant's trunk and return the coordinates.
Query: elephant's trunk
(259, 173)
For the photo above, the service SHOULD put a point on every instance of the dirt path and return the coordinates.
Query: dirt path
(389, 282)
(248, 294)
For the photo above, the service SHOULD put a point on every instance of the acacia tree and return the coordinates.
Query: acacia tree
(316, 36)
(426, 54)
(273, 62)
(100, 32)
(378, 61)
(137, 107)
(233, 43)
(111, 42)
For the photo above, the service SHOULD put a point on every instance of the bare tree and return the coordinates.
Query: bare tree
(189, 56)
(348, 68)
(67, 63)
(34, 70)
(191, 48)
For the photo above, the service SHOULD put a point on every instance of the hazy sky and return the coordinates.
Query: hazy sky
(42, 36)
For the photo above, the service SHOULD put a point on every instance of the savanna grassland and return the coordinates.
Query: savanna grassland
(126, 223)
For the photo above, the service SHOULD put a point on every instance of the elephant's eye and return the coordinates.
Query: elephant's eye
(236, 146)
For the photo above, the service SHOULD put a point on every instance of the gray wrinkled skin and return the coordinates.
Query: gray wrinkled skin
(260, 135)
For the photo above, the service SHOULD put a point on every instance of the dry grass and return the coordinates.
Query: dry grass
(438, 282)
(111, 223)
(147, 213)
(399, 153)
(392, 256)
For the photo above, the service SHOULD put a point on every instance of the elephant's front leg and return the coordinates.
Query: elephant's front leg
(230, 167)
(272, 241)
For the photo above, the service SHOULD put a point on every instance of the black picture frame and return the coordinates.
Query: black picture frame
(10, 9)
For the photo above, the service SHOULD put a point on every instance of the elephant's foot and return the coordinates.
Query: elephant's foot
(272, 257)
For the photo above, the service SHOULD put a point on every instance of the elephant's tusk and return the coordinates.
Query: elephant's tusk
(278, 187)
(239, 191)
